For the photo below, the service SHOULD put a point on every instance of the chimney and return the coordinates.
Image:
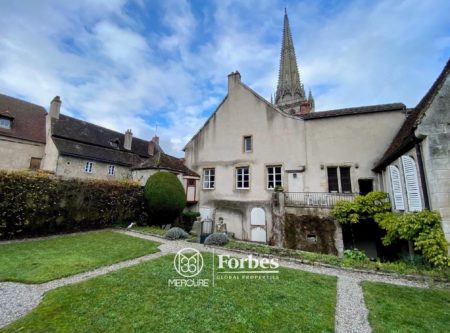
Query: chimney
(55, 107)
(128, 139)
(155, 139)
(151, 148)
(234, 78)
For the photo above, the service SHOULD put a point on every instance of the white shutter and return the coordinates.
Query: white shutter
(412, 184)
(396, 185)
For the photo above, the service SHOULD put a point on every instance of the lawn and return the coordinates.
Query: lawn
(151, 230)
(404, 309)
(138, 299)
(44, 260)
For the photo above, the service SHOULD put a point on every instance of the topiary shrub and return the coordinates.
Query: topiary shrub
(216, 238)
(165, 198)
(176, 233)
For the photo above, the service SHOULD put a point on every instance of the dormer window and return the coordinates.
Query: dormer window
(115, 143)
(5, 122)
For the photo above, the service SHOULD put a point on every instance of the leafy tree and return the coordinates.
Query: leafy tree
(165, 198)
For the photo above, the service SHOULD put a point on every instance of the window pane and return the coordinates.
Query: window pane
(247, 143)
(345, 179)
(333, 185)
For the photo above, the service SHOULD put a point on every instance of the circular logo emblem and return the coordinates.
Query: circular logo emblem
(188, 262)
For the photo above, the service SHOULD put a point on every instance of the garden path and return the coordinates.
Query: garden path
(18, 299)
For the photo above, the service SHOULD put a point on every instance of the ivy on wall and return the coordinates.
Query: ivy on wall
(36, 203)
(422, 228)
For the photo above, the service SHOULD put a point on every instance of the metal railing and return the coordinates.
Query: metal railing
(316, 199)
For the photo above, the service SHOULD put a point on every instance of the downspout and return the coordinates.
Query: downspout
(422, 175)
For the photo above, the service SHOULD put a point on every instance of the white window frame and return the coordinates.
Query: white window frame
(5, 123)
(248, 138)
(209, 178)
(89, 167)
(272, 172)
(241, 172)
(111, 170)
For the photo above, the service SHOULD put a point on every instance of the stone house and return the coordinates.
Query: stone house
(415, 169)
(68, 147)
(250, 146)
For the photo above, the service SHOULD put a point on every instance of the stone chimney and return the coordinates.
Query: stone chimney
(55, 107)
(128, 139)
(152, 145)
(234, 78)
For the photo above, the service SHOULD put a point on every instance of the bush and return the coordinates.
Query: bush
(422, 228)
(176, 233)
(187, 220)
(165, 198)
(355, 254)
(37, 203)
(217, 238)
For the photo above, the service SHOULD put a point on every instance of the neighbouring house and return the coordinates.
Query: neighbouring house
(22, 134)
(68, 147)
(250, 146)
(415, 169)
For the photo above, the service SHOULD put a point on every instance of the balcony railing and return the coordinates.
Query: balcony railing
(316, 199)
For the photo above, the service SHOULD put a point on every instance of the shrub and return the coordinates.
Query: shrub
(217, 238)
(363, 207)
(355, 254)
(176, 233)
(165, 198)
(187, 220)
(37, 203)
(422, 228)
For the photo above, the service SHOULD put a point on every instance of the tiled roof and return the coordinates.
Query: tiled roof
(405, 138)
(28, 119)
(354, 111)
(163, 161)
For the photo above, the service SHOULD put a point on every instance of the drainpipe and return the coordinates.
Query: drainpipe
(422, 176)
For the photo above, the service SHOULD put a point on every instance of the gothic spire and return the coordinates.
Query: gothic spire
(289, 89)
(311, 100)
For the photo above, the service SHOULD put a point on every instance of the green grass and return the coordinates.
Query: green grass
(399, 267)
(44, 260)
(151, 229)
(403, 309)
(138, 299)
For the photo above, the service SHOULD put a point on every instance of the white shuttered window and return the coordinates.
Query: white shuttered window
(412, 184)
(396, 186)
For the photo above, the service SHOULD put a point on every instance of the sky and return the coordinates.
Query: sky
(161, 66)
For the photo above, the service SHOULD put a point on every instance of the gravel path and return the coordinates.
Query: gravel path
(18, 299)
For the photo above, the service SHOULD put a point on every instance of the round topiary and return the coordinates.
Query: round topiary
(165, 198)
(217, 238)
(176, 233)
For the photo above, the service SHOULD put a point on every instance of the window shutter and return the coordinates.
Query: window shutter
(412, 184)
(396, 186)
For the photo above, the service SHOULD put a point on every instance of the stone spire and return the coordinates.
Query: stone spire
(289, 89)
(311, 100)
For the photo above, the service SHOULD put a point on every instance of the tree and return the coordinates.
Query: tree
(165, 198)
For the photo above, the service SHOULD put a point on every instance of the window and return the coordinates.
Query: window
(209, 179)
(88, 168)
(339, 179)
(35, 163)
(274, 176)
(111, 170)
(248, 146)
(5, 122)
(190, 182)
(242, 178)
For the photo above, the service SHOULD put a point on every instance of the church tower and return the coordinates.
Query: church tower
(290, 95)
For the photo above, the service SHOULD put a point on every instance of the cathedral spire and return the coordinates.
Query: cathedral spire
(289, 89)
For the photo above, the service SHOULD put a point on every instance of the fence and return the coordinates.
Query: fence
(316, 199)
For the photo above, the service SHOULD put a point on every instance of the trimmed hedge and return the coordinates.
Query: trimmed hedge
(36, 203)
(165, 198)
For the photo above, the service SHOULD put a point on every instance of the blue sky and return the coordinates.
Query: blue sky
(141, 64)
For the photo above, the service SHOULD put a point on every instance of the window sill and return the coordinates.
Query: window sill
(208, 189)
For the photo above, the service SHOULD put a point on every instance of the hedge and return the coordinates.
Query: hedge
(37, 203)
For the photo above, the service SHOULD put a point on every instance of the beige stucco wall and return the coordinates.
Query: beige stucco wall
(16, 153)
(279, 139)
(74, 167)
(356, 141)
